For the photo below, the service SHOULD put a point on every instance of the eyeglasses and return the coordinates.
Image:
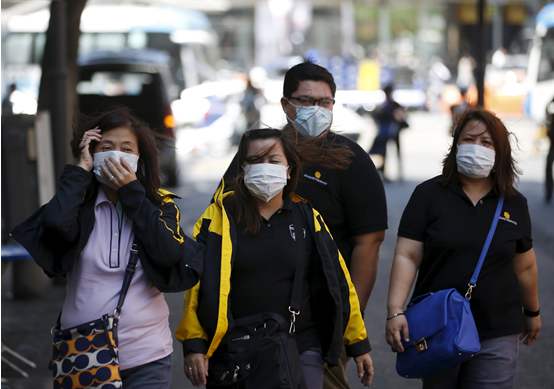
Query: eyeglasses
(307, 101)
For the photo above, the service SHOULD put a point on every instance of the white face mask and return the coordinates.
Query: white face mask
(475, 161)
(313, 120)
(265, 180)
(99, 160)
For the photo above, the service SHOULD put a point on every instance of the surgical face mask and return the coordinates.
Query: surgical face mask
(265, 180)
(99, 160)
(313, 120)
(475, 161)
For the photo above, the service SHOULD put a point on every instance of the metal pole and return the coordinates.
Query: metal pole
(480, 54)
(347, 27)
(57, 80)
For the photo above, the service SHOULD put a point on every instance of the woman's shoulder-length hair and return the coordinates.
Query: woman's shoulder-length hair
(505, 171)
(148, 173)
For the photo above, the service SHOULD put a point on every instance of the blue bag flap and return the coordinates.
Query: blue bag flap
(427, 315)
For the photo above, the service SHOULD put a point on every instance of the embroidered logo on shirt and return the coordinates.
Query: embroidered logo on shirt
(316, 177)
(292, 232)
(506, 217)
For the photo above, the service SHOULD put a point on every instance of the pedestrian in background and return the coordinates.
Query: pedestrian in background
(338, 178)
(441, 233)
(549, 124)
(109, 199)
(390, 117)
(457, 110)
(259, 240)
(7, 103)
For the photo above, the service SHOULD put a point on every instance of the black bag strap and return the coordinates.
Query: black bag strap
(129, 273)
(296, 294)
(473, 281)
(296, 297)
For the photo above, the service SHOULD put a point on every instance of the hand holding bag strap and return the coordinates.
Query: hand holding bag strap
(129, 273)
(485, 249)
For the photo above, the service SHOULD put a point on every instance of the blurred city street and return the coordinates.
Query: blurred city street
(201, 73)
(26, 323)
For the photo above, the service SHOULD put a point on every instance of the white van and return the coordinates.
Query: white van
(540, 71)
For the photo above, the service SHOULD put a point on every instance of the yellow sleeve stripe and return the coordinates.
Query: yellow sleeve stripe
(355, 328)
(224, 284)
(177, 233)
(189, 327)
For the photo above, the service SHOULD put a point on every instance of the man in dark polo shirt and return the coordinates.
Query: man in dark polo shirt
(351, 200)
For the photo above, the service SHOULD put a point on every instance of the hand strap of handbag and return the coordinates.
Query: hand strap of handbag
(473, 281)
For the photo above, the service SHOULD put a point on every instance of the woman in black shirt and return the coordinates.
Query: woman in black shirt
(257, 238)
(440, 237)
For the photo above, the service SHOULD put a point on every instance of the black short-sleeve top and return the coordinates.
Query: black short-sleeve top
(453, 232)
(352, 201)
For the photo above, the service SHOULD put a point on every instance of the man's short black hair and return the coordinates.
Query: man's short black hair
(306, 71)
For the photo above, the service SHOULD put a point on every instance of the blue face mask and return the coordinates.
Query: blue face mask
(313, 120)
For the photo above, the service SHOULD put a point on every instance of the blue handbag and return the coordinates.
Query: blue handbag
(441, 326)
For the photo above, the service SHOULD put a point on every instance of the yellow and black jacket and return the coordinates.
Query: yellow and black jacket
(56, 234)
(206, 318)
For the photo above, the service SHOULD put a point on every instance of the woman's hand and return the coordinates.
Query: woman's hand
(397, 329)
(364, 365)
(196, 368)
(532, 329)
(85, 158)
(119, 173)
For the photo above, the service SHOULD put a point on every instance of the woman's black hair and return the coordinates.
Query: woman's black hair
(148, 164)
(244, 203)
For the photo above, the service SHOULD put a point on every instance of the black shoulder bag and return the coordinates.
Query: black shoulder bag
(260, 350)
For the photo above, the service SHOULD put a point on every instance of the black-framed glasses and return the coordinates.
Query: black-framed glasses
(307, 101)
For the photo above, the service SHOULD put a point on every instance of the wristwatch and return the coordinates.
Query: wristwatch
(530, 313)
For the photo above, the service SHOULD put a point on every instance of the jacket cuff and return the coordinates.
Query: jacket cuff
(358, 348)
(132, 195)
(196, 257)
(78, 174)
(199, 346)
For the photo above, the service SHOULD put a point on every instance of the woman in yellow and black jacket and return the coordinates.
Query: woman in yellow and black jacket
(255, 239)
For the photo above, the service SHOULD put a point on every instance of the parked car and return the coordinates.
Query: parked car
(137, 79)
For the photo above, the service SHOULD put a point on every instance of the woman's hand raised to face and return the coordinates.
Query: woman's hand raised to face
(85, 158)
(118, 172)
(364, 366)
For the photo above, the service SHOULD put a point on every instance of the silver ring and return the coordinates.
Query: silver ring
(190, 368)
(112, 178)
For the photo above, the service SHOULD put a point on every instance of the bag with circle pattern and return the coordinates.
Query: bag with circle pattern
(87, 356)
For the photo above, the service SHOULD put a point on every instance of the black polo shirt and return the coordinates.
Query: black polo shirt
(351, 201)
(264, 268)
(453, 232)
